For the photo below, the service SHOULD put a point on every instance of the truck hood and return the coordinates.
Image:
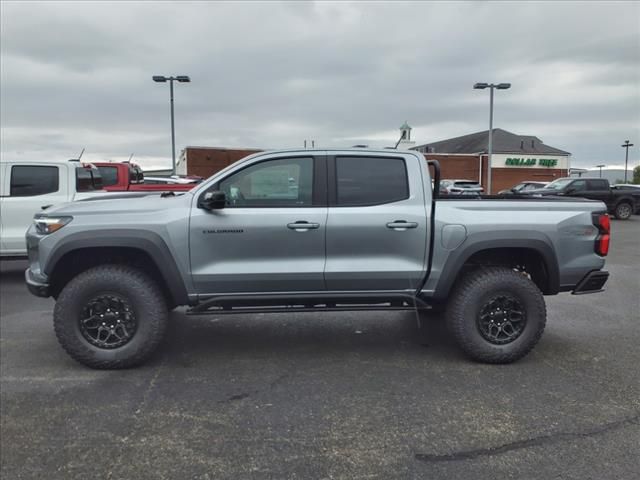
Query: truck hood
(120, 203)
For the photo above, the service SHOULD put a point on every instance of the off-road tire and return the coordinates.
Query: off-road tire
(140, 291)
(467, 300)
(623, 211)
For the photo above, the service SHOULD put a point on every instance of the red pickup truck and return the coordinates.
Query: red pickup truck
(121, 177)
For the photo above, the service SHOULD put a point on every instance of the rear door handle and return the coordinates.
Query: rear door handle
(401, 225)
(302, 226)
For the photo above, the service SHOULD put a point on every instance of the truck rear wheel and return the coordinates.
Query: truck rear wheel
(623, 211)
(110, 316)
(496, 315)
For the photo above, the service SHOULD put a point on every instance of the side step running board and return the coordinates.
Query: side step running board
(274, 304)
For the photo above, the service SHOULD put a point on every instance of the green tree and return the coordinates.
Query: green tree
(636, 175)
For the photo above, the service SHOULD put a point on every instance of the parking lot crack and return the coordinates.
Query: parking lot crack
(149, 389)
(527, 443)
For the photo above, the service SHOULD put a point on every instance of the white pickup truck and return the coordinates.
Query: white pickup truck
(28, 187)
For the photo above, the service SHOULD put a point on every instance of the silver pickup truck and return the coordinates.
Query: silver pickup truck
(313, 230)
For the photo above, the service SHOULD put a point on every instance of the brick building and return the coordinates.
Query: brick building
(205, 161)
(515, 158)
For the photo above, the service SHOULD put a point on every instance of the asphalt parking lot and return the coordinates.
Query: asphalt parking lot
(348, 395)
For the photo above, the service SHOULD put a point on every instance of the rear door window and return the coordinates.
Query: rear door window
(88, 178)
(598, 185)
(32, 180)
(362, 181)
(109, 175)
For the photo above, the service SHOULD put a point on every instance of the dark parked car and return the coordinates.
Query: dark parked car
(524, 187)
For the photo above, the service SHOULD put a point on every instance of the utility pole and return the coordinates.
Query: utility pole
(626, 157)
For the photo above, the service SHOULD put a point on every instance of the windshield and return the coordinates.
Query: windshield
(559, 184)
(466, 184)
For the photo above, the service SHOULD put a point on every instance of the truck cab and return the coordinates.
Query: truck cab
(27, 188)
(127, 176)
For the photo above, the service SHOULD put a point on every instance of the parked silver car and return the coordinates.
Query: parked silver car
(460, 187)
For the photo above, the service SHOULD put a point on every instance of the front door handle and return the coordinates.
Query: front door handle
(401, 225)
(302, 226)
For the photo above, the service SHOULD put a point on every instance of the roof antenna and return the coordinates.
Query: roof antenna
(130, 157)
(79, 157)
(404, 134)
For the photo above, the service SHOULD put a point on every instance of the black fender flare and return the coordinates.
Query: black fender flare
(486, 241)
(148, 242)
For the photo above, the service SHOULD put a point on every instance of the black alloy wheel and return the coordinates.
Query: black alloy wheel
(108, 321)
(501, 319)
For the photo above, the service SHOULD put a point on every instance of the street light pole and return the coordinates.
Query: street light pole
(626, 157)
(490, 153)
(163, 79)
(491, 87)
(600, 167)
(173, 132)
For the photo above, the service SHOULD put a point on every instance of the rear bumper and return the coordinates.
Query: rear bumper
(592, 282)
(37, 284)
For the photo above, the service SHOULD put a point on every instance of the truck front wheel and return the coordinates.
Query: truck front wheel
(496, 315)
(110, 316)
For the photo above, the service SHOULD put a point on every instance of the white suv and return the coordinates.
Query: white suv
(29, 187)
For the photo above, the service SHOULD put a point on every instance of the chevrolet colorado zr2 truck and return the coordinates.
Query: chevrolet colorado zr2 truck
(311, 231)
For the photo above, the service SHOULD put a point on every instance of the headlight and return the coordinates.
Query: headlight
(47, 225)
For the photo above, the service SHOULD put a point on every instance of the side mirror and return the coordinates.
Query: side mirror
(213, 200)
(570, 190)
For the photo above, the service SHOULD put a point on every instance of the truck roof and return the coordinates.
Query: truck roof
(55, 161)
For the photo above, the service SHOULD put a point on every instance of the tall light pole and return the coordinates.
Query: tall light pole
(626, 157)
(163, 79)
(490, 86)
(600, 167)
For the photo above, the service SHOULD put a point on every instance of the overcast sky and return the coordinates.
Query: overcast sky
(270, 75)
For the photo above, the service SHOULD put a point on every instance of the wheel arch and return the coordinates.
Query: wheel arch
(535, 255)
(145, 250)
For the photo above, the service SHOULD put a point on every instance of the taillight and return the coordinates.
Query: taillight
(603, 222)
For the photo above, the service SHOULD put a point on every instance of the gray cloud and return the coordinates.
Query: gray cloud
(273, 74)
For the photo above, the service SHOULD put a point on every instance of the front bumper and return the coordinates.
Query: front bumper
(37, 283)
(592, 282)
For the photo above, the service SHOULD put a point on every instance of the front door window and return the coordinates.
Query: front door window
(276, 183)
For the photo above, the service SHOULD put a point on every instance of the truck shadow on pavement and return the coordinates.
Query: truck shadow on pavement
(302, 334)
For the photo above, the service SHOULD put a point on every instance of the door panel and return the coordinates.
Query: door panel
(271, 235)
(375, 247)
(253, 250)
(31, 187)
(599, 190)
